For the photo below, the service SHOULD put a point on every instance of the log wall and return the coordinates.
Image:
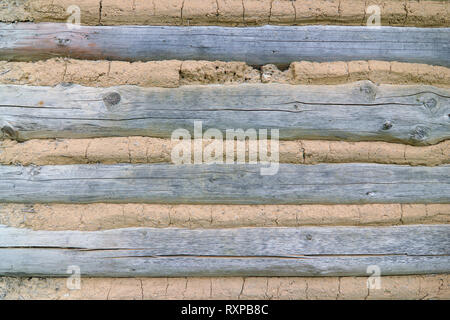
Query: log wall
(87, 177)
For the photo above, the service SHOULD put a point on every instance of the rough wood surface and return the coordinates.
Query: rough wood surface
(361, 111)
(308, 251)
(225, 184)
(256, 45)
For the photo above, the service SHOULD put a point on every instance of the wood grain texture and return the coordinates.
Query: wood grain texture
(225, 184)
(361, 111)
(279, 45)
(308, 251)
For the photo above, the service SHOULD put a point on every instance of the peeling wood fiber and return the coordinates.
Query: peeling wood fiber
(428, 13)
(279, 45)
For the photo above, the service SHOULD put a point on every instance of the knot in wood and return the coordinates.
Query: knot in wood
(387, 125)
(9, 132)
(430, 103)
(368, 90)
(34, 171)
(420, 133)
(111, 99)
(62, 41)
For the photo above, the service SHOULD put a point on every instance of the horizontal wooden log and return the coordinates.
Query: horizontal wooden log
(225, 184)
(308, 251)
(279, 45)
(361, 111)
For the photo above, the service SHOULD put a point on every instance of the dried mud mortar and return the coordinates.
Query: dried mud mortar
(154, 150)
(174, 73)
(425, 287)
(427, 13)
(104, 216)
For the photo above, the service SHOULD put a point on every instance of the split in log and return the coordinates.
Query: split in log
(362, 111)
(307, 251)
(225, 184)
(278, 45)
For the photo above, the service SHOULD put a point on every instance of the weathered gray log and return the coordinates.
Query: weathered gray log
(225, 183)
(361, 111)
(308, 251)
(255, 45)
